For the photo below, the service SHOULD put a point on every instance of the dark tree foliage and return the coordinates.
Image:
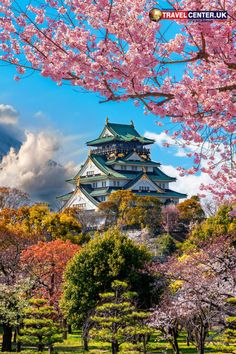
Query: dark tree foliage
(101, 261)
(117, 321)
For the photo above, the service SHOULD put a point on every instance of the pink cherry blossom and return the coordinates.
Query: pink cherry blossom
(112, 48)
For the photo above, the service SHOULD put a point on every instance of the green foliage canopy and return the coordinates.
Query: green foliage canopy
(39, 325)
(104, 259)
(117, 320)
(223, 223)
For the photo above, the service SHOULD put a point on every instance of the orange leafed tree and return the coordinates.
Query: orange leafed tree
(45, 262)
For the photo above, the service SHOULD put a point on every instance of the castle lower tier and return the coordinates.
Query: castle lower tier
(119, 159)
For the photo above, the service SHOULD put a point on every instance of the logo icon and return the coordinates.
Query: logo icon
(155, 15)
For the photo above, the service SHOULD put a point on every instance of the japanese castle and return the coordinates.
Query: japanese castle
(119, 159)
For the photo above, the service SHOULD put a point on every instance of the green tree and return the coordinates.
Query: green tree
(117, 320)
(165, 245)
(190, 211)
(39, 326)
(104, 259)
(230, 332)
(12, 302)
(223, 223)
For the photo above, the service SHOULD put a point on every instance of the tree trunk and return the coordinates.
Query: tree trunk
(200, 337)
(69, 329)
(15, 335)
(175, 345)
(85, 343)
(40, 344)
(7, 338)
(145, 340)
(18, 346)
(18, 342)
(115, 347)
(200, 348)
(174, 341)
(64, 328)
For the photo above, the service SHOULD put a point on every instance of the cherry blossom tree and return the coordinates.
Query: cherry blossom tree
(166, 318)
(169, 218)
(200, 282)
(13, 198)
(111, 47)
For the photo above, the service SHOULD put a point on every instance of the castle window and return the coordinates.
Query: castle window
(144, 189)
(123, 168)
(80, 206)
(116, 183)
(134, 168)
(95, 185)
(102, 198)
(104, 184)
(90, 173)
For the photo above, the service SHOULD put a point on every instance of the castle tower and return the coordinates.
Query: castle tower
(119, 159)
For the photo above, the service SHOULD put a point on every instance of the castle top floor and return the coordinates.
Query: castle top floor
(119, 139)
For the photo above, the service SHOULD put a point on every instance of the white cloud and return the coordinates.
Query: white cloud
(8, 114)
(189, 184)
(159, 138)
(180, 153)
(40, 115)
(33, 169)
(163, 138)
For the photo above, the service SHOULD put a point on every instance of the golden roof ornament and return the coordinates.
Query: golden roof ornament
(144, 169)
(132, 123)
(107, 120)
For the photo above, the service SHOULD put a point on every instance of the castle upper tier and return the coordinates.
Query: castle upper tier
(119, 159)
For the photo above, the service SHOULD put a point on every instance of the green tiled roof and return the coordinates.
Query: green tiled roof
(161, 176)
(104, 140)
(90, 179)
(103, 191)
(71, 180)
(122, 133)
(65, 196)
(100, 162)
(88, 195)
(168, 194)
(133, 181)
(122, 129)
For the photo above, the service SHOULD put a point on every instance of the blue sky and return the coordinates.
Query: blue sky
(42, 105)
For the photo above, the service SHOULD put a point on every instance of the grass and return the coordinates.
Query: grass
(155, 346)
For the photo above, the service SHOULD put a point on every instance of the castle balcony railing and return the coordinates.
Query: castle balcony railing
(108, 151)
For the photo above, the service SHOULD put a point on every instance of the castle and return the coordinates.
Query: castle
(119, 159)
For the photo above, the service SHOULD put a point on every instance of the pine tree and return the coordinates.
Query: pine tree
(117, 321)
(230, 332)
(39, 325)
